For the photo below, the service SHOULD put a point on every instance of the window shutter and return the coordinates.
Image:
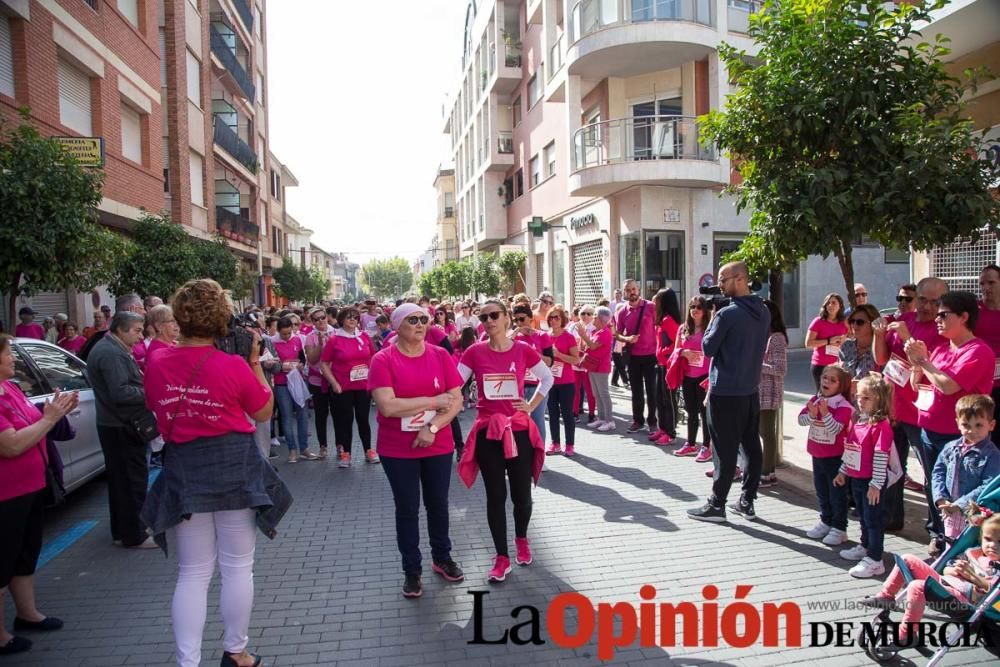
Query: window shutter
(193, 79)
(6, 58)
(130, 8)
(163, 57)
(74, 99)
(131, 134)
(197, 174)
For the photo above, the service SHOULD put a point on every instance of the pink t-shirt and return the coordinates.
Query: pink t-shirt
(669, 329)
(602, 353)
(139, 354)
(817, 442)
(430, 374)
(155, 345)
(540, 341)
(318, 339)
(904, 396)
(215, 402)
(988, 329)
(627, 323)
(562, 371)
(501, 369)
(867, 439)
(826, 329)
(288, 350)
(368, 324)
(971, 366)
(349, 356)
(693, 342)
(33, 330)
(74, 345)
(24, 473)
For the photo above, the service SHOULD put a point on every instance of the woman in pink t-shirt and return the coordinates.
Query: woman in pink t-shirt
(160, 321)
(566, 354)
(72, 341)
(668, 316)
(216, 488)
(345, 362)
(504, 443)
(418, 393)
(22, 482)
(826, 333)
(599, 343)
(319, 388)
(695, 372)
(585, 317)
(293, 416)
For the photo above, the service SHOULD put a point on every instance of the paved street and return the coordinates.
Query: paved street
(328, 588)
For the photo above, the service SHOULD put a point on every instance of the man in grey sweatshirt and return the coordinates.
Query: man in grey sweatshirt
(735, 340)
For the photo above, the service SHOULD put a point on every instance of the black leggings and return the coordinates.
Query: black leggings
(348, 406)
(664, 400)
(694, 405)
(321, 405)
(560, 402)
(493, 466)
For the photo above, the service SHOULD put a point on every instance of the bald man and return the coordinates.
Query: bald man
(735, 339)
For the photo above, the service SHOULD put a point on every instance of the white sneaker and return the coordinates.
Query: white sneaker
(857, 552)
(867, 568)
(596, 424)
(835, 537)
(819, 531)
(275, 442)
(607, 426)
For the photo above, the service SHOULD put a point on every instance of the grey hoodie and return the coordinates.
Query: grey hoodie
(735, 340)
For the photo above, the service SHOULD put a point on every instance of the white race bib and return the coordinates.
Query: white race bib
(819, 435)
(530, 377)
(698, 360)
(619, 346)
(898, 371)
(925, 397)
(359, 372)
(852, 456)
(557, 369)
(500, 387)
(418, 421)
(996, 370)
(833, 350)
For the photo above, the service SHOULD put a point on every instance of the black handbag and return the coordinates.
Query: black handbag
(55, 491)
(145, 426)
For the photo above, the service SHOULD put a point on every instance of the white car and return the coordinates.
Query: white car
(40, 369)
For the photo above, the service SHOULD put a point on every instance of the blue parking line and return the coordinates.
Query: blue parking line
(63, 541)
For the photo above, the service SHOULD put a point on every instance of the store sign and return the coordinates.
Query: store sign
(88, 151)
(671, 215)
(582, 221)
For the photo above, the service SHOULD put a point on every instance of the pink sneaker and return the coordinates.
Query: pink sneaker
(656, 435)
(704, 455)
(569, 450)
(500, 569)
(687, 450)
(554, 448)
(523, 556)
(664, 440)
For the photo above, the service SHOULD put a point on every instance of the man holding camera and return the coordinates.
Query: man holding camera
(735, 340)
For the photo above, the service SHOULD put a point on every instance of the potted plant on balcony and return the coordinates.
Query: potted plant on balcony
(512, 56)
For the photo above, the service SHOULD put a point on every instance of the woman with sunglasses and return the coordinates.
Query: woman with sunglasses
(857, 353)
(344, 363)
(542, 343)
(566, 354)
(695, 373)
(582, 385)
(826, 333)
(319, 388)
(504, 443)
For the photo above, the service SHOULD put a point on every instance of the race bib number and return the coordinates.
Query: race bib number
(359, 372)
(898, 371)
(852, 457)
(500, 387)
(925, 397)
(820, 436)
(833, 350)
(530, 377)
(557, 369)
(697, 360)
(418, 421)
(996, 370)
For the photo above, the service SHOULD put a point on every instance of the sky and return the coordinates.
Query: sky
(355, 93)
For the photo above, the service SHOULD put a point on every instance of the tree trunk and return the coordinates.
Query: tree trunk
(844, 257)
(776, 287)
(12, 303)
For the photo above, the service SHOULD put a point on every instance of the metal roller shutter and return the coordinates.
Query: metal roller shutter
(47, 304)
(588, 273)
(959, 264)
(6, 58)
(539, 274)
(74, 99)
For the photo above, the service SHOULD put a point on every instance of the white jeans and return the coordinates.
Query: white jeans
(229, 538)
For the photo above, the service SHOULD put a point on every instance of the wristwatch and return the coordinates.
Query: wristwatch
(433, 428)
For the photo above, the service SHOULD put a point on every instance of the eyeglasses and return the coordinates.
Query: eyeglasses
(494, 315)
(414, 320)
(864, 294)
(943, 314)
(903, 299)
(859, 322)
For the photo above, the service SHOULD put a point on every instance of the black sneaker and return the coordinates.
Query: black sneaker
(744, 509)
(634, 428)
(412, 588)
(449, 569)
(273, 454)
(708, 512)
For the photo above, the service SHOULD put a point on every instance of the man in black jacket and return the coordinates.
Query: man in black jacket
(121, 405)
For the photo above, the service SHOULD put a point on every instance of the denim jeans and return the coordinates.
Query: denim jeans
(538, 414)
(407, 477)
(931, 444)
(832, 499)
(294, 419)
(872, 517)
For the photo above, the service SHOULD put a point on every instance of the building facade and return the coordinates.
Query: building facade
(582, 114)
(444, 245)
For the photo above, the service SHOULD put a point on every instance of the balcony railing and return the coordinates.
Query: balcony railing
(512, 55)
(449, 212)
(246, 14)
(639, 138)
(234, 226)
(92, 4)
(232, 144)
(556, 55)
(505, 142)
(739, 11)
(228, 59)
(592, 15)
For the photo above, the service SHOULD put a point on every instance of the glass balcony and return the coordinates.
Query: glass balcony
(230, 142)
(589, 16)
(226, 54)
(505, 142)
(556, 55)
(246, 14)
(639, 138)
(739, 11)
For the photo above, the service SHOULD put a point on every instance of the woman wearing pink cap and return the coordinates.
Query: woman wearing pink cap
(418, 393)
(504, 442)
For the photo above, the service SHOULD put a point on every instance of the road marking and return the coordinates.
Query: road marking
(63, 541)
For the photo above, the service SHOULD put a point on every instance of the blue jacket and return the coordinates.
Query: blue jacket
(735, 340)
(975, 470)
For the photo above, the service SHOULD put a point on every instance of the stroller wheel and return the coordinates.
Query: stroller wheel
(881, 654)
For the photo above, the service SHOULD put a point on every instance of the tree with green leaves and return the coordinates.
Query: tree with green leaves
(385, 278)
(319, 285)
(846, 125)
(485, 274)
(50, 238)
(293, 281)
(511, 267)
(245, 285)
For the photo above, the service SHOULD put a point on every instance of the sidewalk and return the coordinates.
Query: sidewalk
(605, 523)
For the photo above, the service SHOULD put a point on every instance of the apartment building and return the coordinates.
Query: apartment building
(582, 114)
(279, 179)
(444, 245)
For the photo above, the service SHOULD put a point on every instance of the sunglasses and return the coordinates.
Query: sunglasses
(548, 302)
(319, 319)
(350, 317)
(943, 314)
(414, 320)
(521, 319)
(695, 307)
(586, 314)
(858, 322)
(495, 315)
(861, 294)
(903, 299)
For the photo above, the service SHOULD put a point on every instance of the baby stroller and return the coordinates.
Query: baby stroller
(982, 618)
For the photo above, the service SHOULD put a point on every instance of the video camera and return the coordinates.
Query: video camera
(238, 340)
(717, 301)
